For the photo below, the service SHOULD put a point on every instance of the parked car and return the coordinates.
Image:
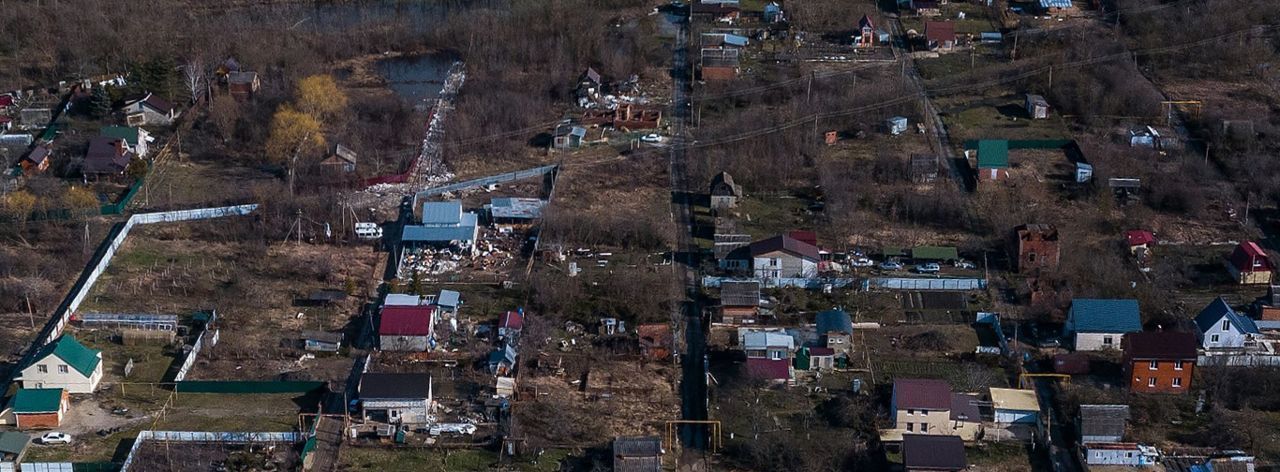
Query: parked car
(54, 437)
(930, 268)
(891, 265)
(651, 138)
(861, 262)
(963, 264)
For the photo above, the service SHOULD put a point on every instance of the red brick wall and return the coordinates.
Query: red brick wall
(719, 73)
(45, 420)
(1140, 375)
(1036, 253)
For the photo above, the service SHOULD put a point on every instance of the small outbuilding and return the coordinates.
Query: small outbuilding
(724, 192)
(40, 407)
(896, 125)
(933, 453)
(1249, 264)
(1015, 406)
(637, 454)
(1037, 107)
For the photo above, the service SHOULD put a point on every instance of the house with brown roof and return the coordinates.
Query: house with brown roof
(37, 160)
(106, 156)
(243, 84)
(780, 257)
(149, 110)
(739, 301)
(940, 35)
(866, 33)
(655, 340)
(637, 454)
(924, 453)
(341, 161)
(1160, 362)
(927, 406)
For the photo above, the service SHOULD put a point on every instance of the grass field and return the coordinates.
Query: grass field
(430, 460)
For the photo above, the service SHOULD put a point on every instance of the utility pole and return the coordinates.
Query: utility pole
(1051, 77)
(293, 162)
(808, 92)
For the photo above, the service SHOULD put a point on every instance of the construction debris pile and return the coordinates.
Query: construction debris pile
(491, 255)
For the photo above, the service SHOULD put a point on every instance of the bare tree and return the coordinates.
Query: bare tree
(193, 77)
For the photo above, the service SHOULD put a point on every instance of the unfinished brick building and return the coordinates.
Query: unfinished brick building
(1037, 248)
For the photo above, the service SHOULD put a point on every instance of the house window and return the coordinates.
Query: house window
(62, 369)
(1226, 325)
(1031, 257)
(1154, 365)
(1106, 340)
(1177, 382)
(924, 427)
(1177, 365)
(1213, 339)
(775, 355)
(43, 369)
(1151, 381)
(911, 427)
(910, 412)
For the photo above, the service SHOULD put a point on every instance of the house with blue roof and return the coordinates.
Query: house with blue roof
(1222, 327)
(443, 225)
(1098, 324)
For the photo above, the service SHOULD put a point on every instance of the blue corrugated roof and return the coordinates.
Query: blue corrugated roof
(522, 208)
(466, 231)
(1055, 3)
(442, 213)
(1216, 310)
(735, 40)
(448, 298)
(834, 321)
(1105, 316)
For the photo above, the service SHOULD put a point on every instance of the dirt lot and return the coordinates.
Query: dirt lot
(154, 455)
(621, 397)
(253, 287)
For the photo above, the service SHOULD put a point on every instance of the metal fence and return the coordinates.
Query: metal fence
(1238, 360)
(203, 437)
(99, 262)
(483, 181)
(212, 340)
(814, 283)
(246, 386)
(902, 283)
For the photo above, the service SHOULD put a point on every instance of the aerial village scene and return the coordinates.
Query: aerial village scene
(640, 235)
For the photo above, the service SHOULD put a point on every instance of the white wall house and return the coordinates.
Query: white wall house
(1221, 327)
(1096, 325)
(64, 364)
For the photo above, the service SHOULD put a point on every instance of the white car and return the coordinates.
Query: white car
(890, 265)
(963, 264)
(55, 438)
(861, 262)
(651, 138)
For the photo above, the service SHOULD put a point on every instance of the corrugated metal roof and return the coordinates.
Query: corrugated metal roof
(836, 321)
(402, 299)
(1161, 345)
(1103, 420)
(1014, 399)
(740, 293)
(37, 400)
(762, 340)
(13, 442)
(466, 231)
(993, 154)
(517, 208)
(400, 320)
(1105, 316)
(923, 394)
(1219, 309)
(448, 298)
(1055, 3)
(933, 452)
(79, 357)
(442, 213)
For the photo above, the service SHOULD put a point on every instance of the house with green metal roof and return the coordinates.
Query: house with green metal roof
(993, 159)
(1099, 324)
(135, 139)
(39, 407)
(66, 364)
(935, 253)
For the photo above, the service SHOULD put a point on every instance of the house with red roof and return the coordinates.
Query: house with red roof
(1139, 238)
(511, 323)
(405, 327)
(769, 355)
(1249, 264)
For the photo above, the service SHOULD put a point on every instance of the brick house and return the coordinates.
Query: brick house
(739, 301)
(40, 407)
(1160, 362)
(1038, 247)
(993, 160)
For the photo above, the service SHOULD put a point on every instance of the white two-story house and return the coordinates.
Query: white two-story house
(64, 364)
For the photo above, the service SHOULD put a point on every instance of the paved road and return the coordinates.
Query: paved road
(693, 384)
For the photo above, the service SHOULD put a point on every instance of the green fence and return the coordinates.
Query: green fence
(1024, 143)
(246, 386)
(119, 206)
(95, 467)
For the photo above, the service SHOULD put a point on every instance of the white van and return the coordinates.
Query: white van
(368, 231)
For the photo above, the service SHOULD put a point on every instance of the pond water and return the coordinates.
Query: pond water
(417, 77)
